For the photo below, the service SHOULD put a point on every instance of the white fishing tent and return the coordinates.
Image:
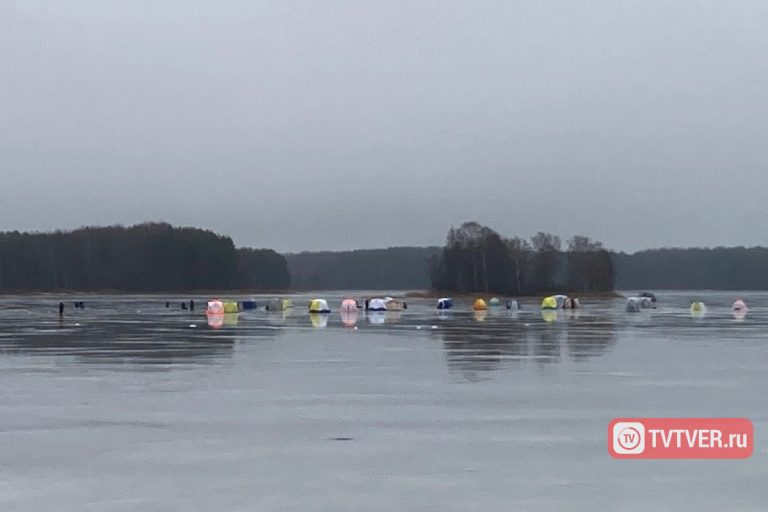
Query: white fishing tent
(377, 304)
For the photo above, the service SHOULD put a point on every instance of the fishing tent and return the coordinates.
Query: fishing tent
(698, 309)
(278, 305)
(215, 307)
(571, 303)
(633, 305)
(479, 305)
(445, 303)
(319, 306)
(377, 304)
(349, 305)
(549, 303)
(248, 305)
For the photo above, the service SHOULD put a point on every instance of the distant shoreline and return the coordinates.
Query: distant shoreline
(211, 293)
(466, 295)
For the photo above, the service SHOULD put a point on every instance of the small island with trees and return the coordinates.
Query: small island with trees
(477, 259)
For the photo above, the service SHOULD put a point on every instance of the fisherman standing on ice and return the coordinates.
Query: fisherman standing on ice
(61, 309)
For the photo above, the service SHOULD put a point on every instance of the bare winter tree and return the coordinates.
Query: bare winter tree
(546, 256)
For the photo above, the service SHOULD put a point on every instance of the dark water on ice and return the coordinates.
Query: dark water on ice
(127, 405)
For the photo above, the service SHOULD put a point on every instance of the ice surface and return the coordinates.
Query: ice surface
(124, 406)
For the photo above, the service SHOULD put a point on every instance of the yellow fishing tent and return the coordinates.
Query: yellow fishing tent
(319, 306)
(698, 309)
(549, 303)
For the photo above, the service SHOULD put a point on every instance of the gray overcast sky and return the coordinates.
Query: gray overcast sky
(330, 125)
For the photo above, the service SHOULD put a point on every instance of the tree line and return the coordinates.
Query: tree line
(159, 257)
(142, 258)
(476, 258)
(544, 263)
(719, 268)
(395, 268)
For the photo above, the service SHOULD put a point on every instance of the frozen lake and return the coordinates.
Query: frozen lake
(127, 405)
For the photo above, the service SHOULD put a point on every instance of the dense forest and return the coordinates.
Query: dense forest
(476, 258)
(396, 268)
(721, 268)
(145, 257)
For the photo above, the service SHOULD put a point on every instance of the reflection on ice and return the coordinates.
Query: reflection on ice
(319, 319)
(393, 316)
(215, 321)
(590, 337)
(548, 315)
(122, 330)
(499, 341)
(376, 317)
(124, 342)
(349, 317)
(222, 320)
(573, 313)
